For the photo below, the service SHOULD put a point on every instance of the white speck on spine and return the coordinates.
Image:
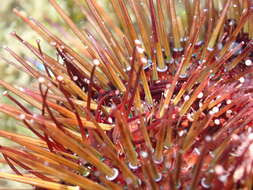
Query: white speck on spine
(248, 62)
(242, 80)
(137, 42)
(5, 93)
(60, 78)
(144, 154)
(228, 101)
(187, 97)
(200, 95)
(96, 62)
(22, 116)
(140, 50)
(217, 121)
(215, 109)
(144, 60)
(219, 169)
(75, 78)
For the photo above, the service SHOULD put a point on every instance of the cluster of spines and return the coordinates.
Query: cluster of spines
(155, 113)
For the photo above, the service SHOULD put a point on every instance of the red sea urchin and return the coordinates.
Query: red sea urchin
(152, 99)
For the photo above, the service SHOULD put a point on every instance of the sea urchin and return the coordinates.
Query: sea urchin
(158, 97)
